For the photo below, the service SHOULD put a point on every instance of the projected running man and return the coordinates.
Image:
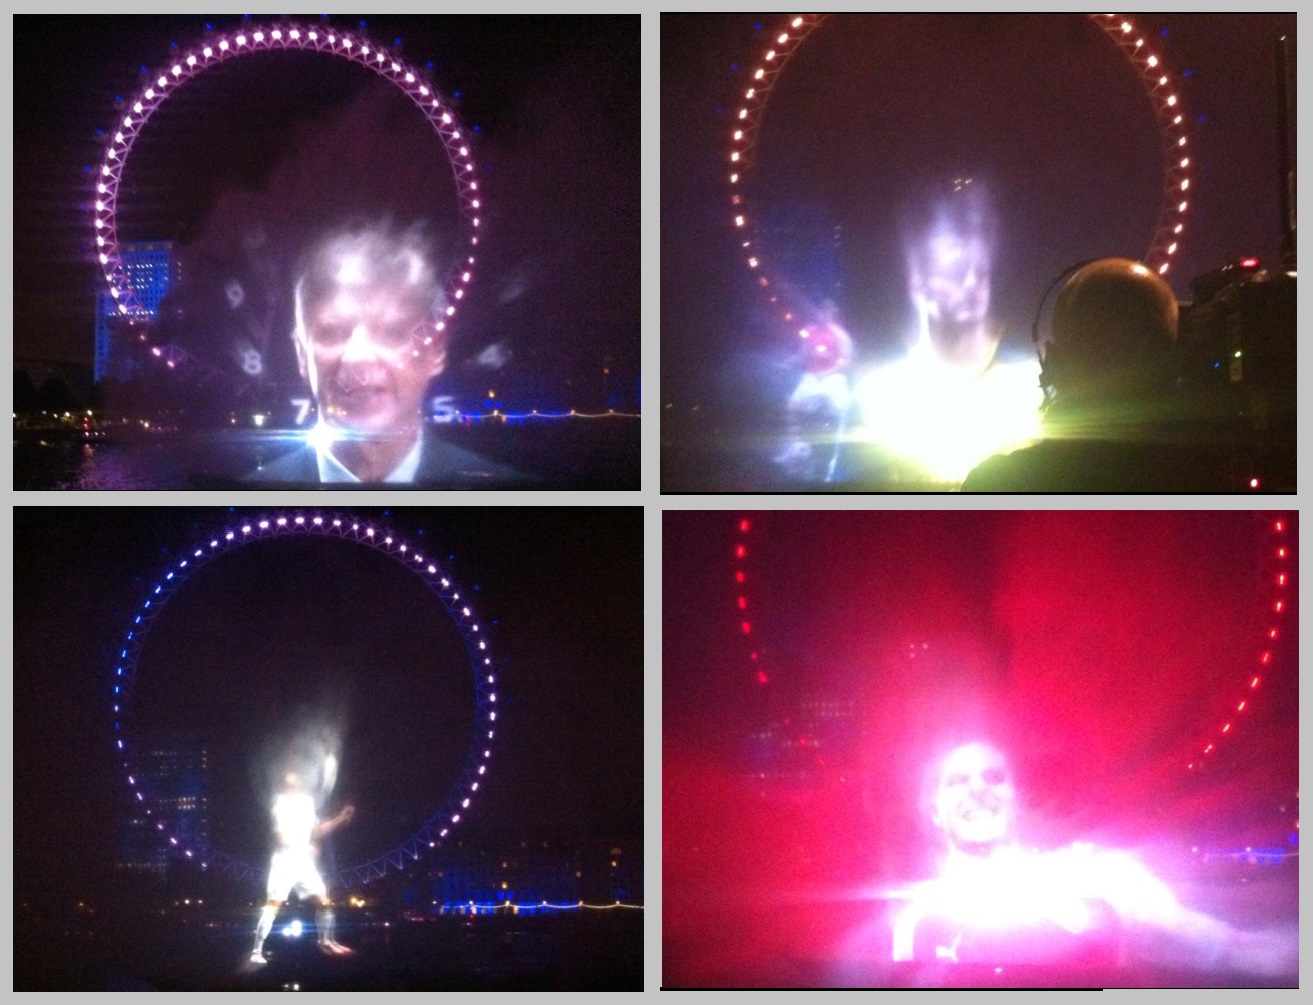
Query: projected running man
(997, 902)
(297, 830)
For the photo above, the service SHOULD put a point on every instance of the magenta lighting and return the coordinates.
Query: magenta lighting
(1276, 572)
(357, 531)
(790, 32)
(168, 78)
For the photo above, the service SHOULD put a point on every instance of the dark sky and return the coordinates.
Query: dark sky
(1104, 651)
(868, 114)
(277, 631)
(554, 102)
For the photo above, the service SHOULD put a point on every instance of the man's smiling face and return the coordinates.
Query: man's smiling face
(975, 798)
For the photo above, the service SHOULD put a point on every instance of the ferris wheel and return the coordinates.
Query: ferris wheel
(164, 816)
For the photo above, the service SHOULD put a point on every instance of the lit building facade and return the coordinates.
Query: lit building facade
(173, 768)
(150, 267)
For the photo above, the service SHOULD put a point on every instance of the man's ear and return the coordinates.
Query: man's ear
(302, 363)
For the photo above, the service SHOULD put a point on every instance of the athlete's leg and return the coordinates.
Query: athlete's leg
(263, 927)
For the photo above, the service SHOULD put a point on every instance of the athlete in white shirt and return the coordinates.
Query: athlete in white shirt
(297, 829)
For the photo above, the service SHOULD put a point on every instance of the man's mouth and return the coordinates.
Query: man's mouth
(978, 813)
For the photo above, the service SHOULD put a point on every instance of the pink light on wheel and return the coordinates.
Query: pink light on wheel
(170, 78)
(765, 70)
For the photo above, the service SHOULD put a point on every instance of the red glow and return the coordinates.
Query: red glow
(1281, 553)
(1265, 659)
(1249, 263)
(1208, 749)
(762, 678)
(1241, 706)
(1253, 483)
(740, 552)
(753, 656)
(743, 603)
(1281, 579)
(747, 628)
(1272, 634)
(1226, 728)
(1254, 683)
(738, 577)
(744, 526)
(1280, 606)
(1280, 526)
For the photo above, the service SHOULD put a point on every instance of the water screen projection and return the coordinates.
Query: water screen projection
(385, 720)
(980, 749)
(266, 160)
(925, 213)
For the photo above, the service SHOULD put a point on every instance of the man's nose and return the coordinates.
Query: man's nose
(360, 346)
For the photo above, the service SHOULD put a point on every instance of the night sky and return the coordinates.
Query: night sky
(287, 630)
(1102, 650)
(868, 115)
(553, 103)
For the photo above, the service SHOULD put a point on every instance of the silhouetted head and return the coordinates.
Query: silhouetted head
(1114, 329)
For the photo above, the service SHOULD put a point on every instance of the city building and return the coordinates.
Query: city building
(172, 767)
(150, 267)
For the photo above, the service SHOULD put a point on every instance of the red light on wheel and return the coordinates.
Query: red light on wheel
(1249, 263)
(743, 603)
(740, 552)
(738, 577)
(747, 627)
(744, 526)
(762, 678)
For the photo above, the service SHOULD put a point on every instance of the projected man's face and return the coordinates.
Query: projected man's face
(953, 282)
(364, 316)
(949, 267)
(975, 798)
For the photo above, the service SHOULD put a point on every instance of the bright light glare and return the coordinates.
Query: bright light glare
(947, 419)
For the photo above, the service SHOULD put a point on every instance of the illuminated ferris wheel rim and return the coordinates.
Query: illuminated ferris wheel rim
(1276, 559)
(784, 41)
(369, 533)
(283, 36)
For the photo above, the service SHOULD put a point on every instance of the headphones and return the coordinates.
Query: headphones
(1048, 368)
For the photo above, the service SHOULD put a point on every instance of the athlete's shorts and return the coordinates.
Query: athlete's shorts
(295, 869)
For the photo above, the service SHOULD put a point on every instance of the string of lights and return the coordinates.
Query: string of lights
(288, 35)
(1274, 570)
(501, 906)
(742, 606)
(1276, 576)
(498, 414)
(783, 41)
(373, 535)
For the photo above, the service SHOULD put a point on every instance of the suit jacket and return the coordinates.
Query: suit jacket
(441, 465)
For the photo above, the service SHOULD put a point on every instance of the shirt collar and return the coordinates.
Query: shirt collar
(331, 470)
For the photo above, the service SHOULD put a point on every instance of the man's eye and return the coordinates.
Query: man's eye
(956, 780)
(995, 776)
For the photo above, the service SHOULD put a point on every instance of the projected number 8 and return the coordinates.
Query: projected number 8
(355, 531)
(166, 80)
